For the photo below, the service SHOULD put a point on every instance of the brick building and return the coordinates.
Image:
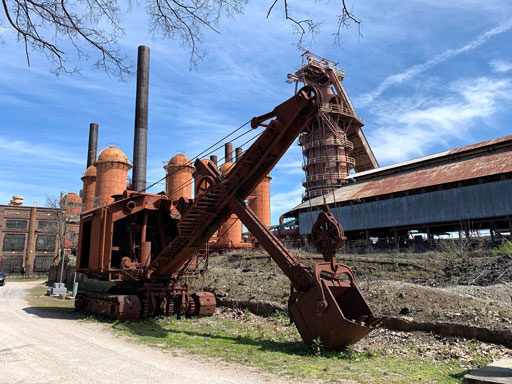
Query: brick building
(29, 236)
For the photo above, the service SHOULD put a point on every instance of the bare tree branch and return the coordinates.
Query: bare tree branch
(73, 31)
(48, 26)
(184, 20)
(271, 8)
(344, 21)
(308, 27)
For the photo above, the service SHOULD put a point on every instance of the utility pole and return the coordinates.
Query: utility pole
(61, 206)
(62, 234)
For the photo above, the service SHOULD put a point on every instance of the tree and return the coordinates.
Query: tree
(71, 31)
(310, 27)
(67, 223)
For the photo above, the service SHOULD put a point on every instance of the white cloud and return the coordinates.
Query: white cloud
(410, 127)
(24, 151)
(498, 65)
(477, 5)
(284, 201)
(292, 167)
(415, 70)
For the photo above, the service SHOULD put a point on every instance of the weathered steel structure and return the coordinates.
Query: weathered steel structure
(145, 245)
(230, 233)
(179, 175)
(333, 143)
(89, 177)
(179, 171)
(112, 168)
(93, 144)
(459, 190)
(140, 137)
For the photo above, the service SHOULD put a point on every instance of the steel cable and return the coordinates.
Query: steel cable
(203, 152)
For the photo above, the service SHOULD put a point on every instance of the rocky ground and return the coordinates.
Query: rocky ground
(472, 288)
(468, 354)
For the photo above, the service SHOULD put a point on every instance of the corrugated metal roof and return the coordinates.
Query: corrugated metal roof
(482, 144)
(456, 205)
(486, 164)
(435, 156)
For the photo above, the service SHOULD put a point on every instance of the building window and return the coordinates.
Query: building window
(42, 263)
(14, 242)
(47, 225)
(45, 243)
(16, 224)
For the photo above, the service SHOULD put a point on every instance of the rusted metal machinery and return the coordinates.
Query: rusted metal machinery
(145, 244)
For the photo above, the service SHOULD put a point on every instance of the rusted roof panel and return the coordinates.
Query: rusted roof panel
(436, 157)
(486, 164)
(481, 145)
(455, 171)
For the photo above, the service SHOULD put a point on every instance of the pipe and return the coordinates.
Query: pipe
(140, 141)
(93, 144)
(238, 152)
(228, 153)
(213, 158)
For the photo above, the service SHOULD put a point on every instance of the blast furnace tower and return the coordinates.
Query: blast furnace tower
(333, 143)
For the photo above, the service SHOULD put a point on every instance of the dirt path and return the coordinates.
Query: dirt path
(46, 347)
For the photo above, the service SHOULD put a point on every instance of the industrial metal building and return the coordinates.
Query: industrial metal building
(460, 190)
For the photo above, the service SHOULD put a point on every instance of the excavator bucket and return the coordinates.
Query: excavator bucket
(333, 311)
(325, 302)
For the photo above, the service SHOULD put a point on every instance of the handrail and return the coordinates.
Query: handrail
(318, 192)
(324, 176)
(322, 159)
(327, 142)
(336, 108)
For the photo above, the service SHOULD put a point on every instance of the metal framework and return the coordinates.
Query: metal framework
(146, 245)
(326, 146)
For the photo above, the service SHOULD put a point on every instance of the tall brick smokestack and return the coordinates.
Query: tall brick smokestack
(93, 144)
(140, 142)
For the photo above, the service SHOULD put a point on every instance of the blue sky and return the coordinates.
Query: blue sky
(426, 75)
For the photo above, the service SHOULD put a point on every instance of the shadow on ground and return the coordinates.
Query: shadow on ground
(152, 328)
(55, 312)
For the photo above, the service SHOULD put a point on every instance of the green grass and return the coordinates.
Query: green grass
(504, 249)
(37, 298)
(25, 278)
(275, 347)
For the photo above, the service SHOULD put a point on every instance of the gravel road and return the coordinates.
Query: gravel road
(46, 347)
